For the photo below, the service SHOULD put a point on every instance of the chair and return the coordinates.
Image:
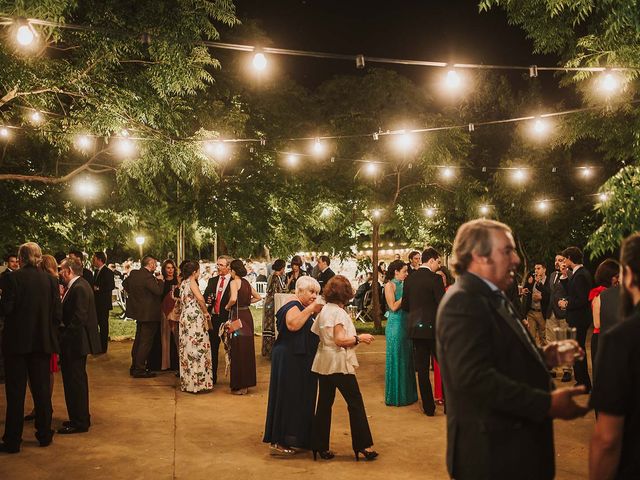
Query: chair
(366, 312)
(261, 288)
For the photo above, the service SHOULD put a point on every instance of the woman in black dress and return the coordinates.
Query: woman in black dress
(295, 273)
(293, 387)
(242, 354)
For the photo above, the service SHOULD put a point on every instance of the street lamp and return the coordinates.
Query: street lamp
(140, 241)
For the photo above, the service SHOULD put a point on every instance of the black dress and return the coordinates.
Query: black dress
(293, 387)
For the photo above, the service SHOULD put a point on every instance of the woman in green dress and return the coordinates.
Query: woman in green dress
(400, 379)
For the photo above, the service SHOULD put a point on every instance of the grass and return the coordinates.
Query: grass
(120, 329)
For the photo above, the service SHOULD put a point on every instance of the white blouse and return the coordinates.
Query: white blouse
(331, 358)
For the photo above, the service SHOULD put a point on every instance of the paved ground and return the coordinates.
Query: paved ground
(147, 429)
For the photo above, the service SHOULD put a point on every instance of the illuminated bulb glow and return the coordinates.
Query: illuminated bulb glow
(36, 117)
(259, 62)
(326, 211)
(83, 142)
(452, 80)
(519, 175)
(586, 172)
(220, 149)
(292, 160)
(376, 213)
(126, 147)
(430, 212)
(86, 188)
(543, 205)
(603, 196)
(318, 148)
(447, 173)
(540, 126)
(4, 132)
(25, 35)
(484, 210)
(371, 168)
(404, 141)
(609, 83)
(140, 240)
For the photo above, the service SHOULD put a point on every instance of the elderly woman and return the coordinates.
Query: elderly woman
(275, 284)
(292, 388)
(335, 364)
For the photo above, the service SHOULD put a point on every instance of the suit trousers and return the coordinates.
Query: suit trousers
(350, 391)
(580, 368)
(423, 348)
(214, 339)
(103, 325)
(19, 368)
(145, 333)
(76, 389)
(537, 327)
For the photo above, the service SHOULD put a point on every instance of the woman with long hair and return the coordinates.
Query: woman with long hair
(606, 276)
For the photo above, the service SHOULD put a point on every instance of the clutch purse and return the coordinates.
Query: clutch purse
(235, 325)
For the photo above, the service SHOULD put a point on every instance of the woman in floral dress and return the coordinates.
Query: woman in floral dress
(195, 349)
(275, 284)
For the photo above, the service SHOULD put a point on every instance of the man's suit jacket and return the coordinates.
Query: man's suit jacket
(579, 307)
(104, 283)
(324, 277)
(144, 295)
(556, 292)
(211, 291)
(32, 309)
(422, 293)
(545, 289)
(497, 387)
(87, 275)
(79, 330)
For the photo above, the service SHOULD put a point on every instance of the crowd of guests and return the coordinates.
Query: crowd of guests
(494, 343)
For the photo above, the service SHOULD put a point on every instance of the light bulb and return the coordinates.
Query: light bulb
(447, 173)
(519, 175)
(25, 35)
(609, 83)
(36, 117)
(83, 142)
(429, 212)
(543, 205)
(586, 172)
(603, 197)
(292, 160)
(4, 132)
(220, 149)
(140, 240)
(540, 126)
(86, 188)
(371, 168)
(326, 212)
(404, 140)
(259, 61)
(484, 210)
(126, 147)
(377, 213)
(318, 148)
(452, 80)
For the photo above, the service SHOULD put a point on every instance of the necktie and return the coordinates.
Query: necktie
(219, 295)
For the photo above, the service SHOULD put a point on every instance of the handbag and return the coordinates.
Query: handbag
(234, 324)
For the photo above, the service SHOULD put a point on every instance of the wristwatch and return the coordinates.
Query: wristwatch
(357, 339)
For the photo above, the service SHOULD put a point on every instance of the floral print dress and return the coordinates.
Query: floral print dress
(195, 348)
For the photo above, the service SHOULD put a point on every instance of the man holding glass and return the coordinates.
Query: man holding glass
(500, 397)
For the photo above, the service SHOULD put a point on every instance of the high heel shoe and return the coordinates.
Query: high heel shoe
(324, 455)
(367, 454)
(276, 449)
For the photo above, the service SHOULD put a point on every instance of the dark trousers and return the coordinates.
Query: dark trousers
(321, 430)
(76, 389)
(103, 325)
(145, 331)
(580, 368)
(214, 339)
(1, 356)
(19, 368)
(423, 348)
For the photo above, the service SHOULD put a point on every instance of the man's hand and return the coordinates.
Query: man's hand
(564, 406)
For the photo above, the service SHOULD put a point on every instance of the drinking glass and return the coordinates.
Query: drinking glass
(568, 349)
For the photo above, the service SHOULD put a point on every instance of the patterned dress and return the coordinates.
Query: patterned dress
(274, 285)
(195, 349)
(400, 378)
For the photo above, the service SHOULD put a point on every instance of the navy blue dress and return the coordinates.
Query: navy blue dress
(293, 387)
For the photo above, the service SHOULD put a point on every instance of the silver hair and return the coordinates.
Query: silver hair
(30, 254)
(307, 284)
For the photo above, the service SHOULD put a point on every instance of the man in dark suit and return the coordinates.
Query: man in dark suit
(103, 285)
(144, 297)
(325, 273)
(556, 317)
(415, 259)
(78, 338)
(536, 303)
(578, 308)
(31, 305)
(423, 291)
(12, 265)
(500, 402)
(79, 256)
(216, 295)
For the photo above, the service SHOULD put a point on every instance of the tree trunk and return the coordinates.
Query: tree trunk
(374, 284)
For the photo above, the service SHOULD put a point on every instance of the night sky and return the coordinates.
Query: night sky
(449, 31)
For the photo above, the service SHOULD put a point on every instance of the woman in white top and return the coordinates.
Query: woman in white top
(335, 364)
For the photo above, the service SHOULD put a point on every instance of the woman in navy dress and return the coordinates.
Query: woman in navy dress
(293, 387)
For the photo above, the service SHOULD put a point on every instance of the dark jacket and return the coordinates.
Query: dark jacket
(422, 293)
(497, 386)
(610, 313)
(324, 277)
(79, 330)
(545, 289)
(210, 293)
(557, 291)
(579, 307)
(32, 309)
(103, 285)
(87, 275)
(144, 295)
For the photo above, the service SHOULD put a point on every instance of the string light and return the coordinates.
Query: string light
(259, 62)
(404, 141)
(318, 148)
(519, 175)
(36, 117)
(83, 142)
(4, 132)
(376, 213)
(126, 147)
(587, 172)
(447, 173)
(430, 212)
(25, 35)
(86, 188)
(484, 210)
(609, 83)
(603, 196)
(371, 168)
(540, 126)
(452, 80)
(542, 205)
(292, 160)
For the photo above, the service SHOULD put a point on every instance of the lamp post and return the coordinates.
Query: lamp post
(140, 241)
